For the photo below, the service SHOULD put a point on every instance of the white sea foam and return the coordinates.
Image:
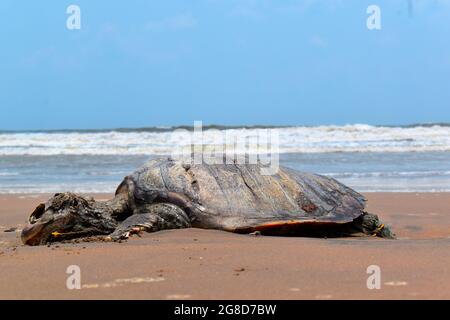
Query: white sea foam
(361, 184)
(389, 174)
(8, 174)
(348, 138)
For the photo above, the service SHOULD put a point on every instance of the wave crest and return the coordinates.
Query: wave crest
(319, 139)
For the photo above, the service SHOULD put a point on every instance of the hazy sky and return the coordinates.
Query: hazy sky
(144, 63)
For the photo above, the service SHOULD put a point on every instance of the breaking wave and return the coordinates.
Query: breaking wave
(163, 141)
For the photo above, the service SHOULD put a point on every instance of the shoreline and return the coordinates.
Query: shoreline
(209, 264)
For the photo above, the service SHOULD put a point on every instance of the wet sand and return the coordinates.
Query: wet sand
(208, 264)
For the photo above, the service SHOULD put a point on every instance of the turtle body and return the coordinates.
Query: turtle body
(168, 194)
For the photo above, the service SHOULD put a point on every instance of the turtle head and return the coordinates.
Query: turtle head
(65, 215)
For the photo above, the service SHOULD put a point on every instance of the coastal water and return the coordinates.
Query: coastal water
(367, 158)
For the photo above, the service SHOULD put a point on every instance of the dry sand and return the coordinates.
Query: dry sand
(208, 264)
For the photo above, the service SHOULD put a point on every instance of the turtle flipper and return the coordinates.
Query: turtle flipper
(151, 218)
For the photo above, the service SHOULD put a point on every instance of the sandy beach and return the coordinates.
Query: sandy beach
(208, 264)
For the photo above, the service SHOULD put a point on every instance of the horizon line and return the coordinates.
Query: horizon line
(212, 126)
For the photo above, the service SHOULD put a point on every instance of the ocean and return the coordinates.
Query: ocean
(412, 158)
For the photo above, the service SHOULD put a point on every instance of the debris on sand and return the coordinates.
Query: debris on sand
(238, 271)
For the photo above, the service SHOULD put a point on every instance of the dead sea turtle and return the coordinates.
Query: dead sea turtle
(167, 194)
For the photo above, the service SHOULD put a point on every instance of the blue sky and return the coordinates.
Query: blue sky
(300, 62)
